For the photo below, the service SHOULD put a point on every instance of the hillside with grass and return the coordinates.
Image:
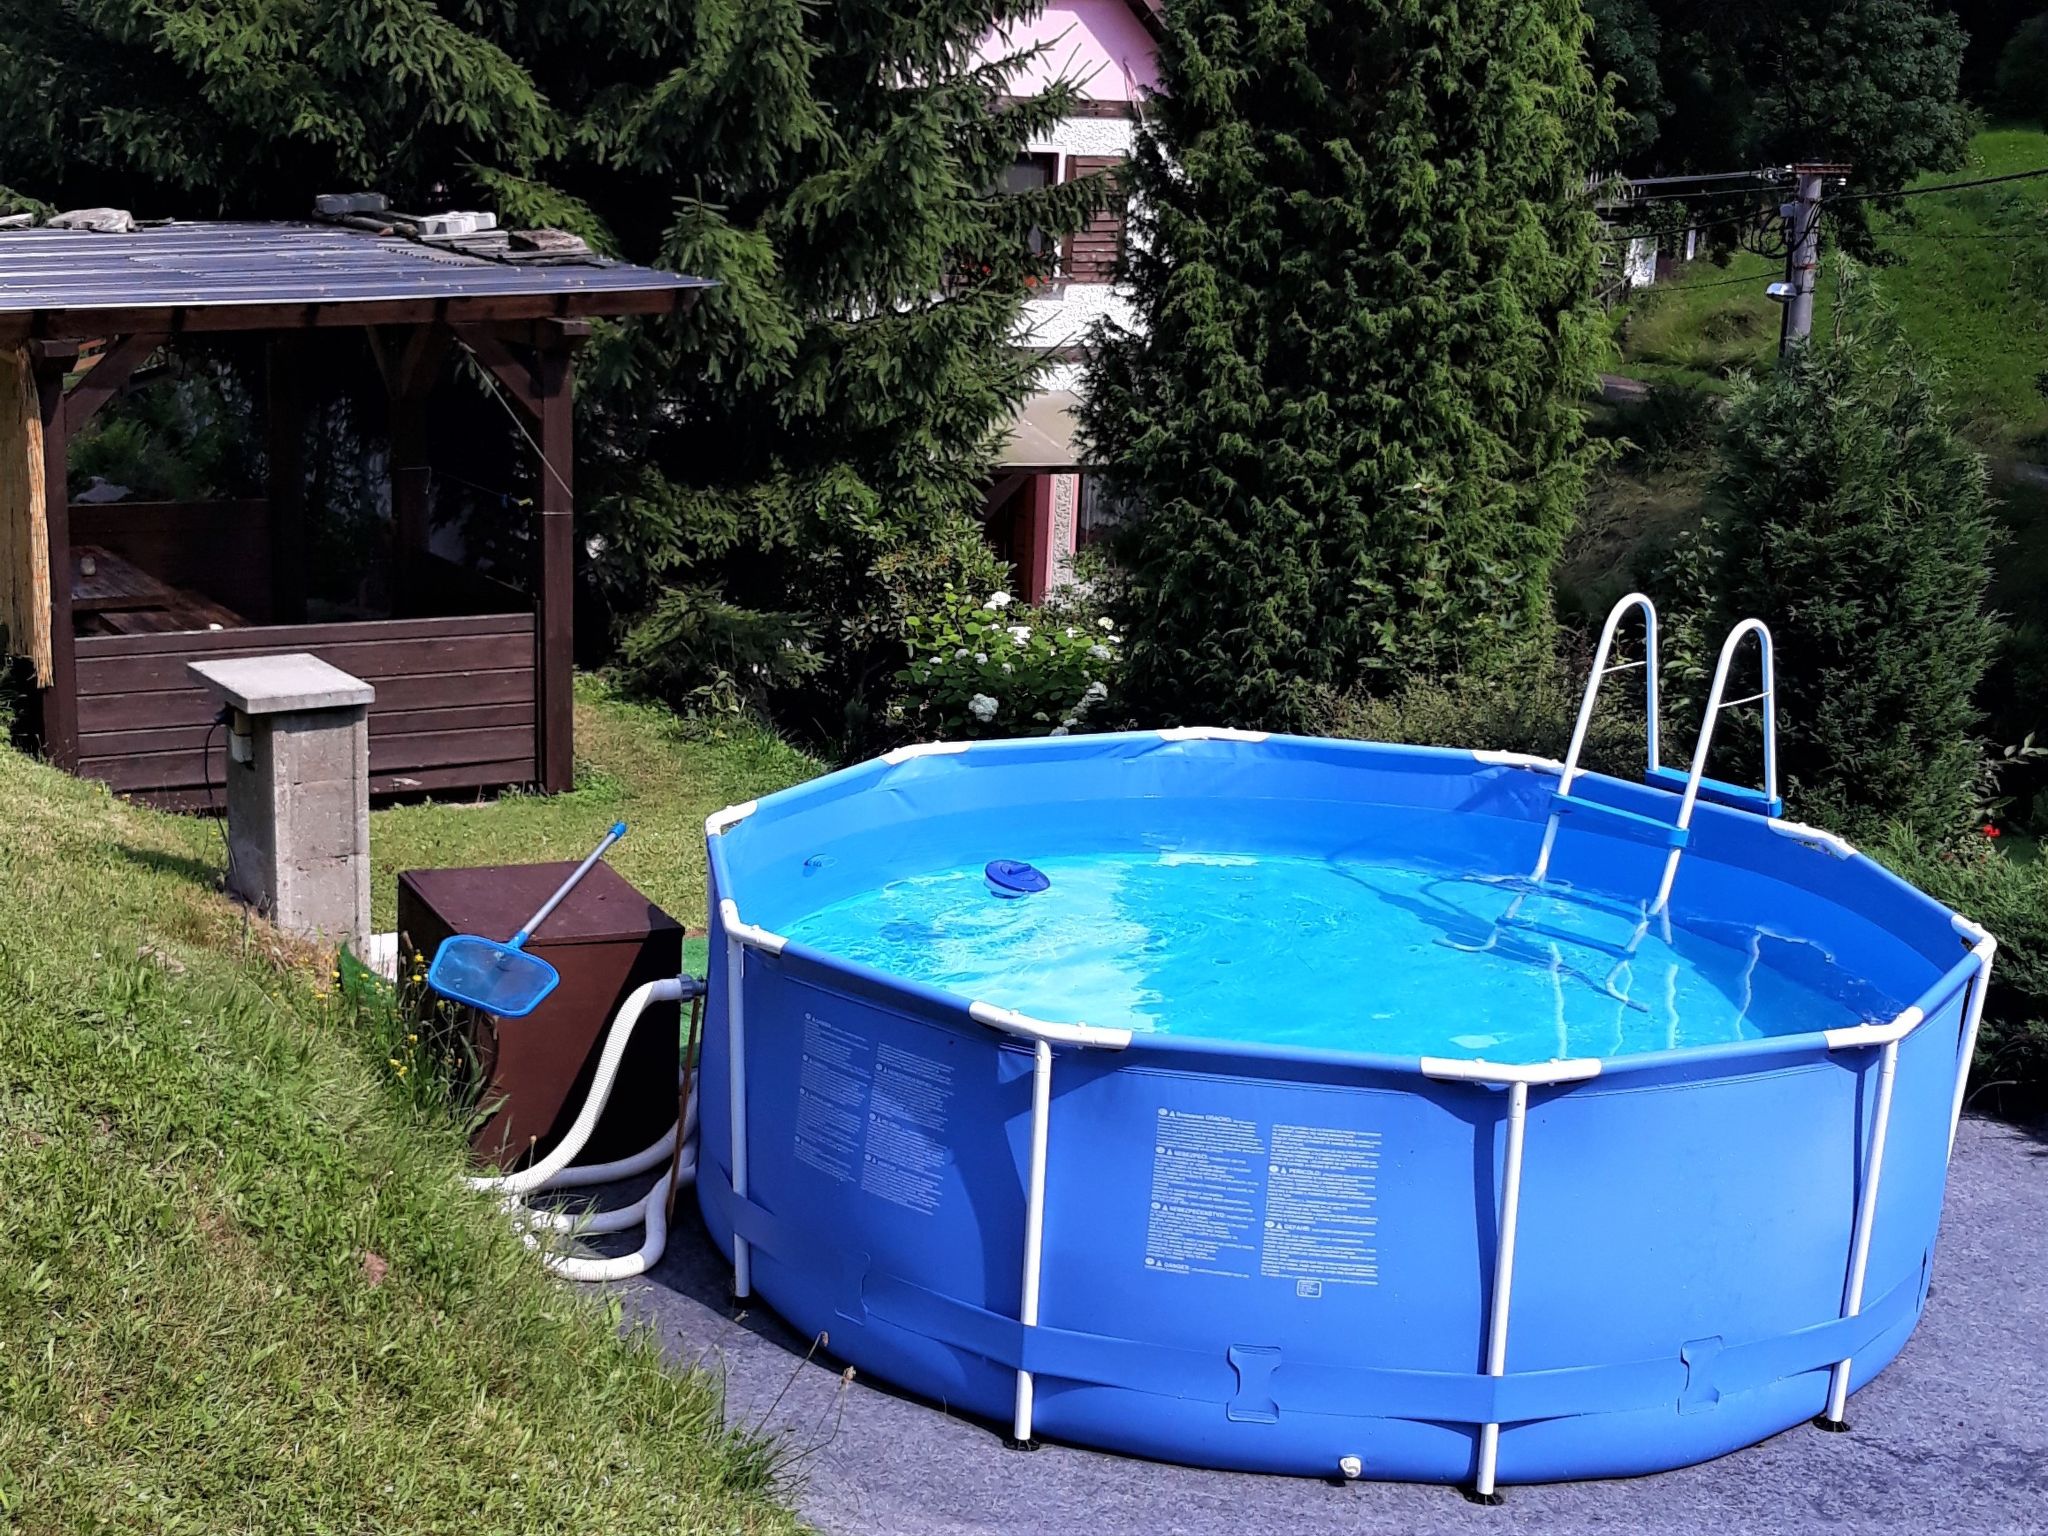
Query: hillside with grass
(1968, 271)
(241, 1289)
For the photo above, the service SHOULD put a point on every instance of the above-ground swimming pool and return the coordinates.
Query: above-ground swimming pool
(1291, 1127)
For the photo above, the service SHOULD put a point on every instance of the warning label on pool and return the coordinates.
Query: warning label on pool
(1232, 1198)
(874, 1111)
(832, 1087)
(1206, 1172)
(905, 1157)
(1320, 1191)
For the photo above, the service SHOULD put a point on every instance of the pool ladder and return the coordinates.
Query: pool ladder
(1691, 786)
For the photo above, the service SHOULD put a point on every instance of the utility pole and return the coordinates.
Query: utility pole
(1802, 256)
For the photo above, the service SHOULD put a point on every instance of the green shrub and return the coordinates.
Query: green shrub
(1532, 711)
(1361, 267)
(1858, 528)
(993, 667)
(2023, 71)
(2010, 898)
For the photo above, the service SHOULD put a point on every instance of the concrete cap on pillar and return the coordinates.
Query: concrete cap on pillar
(277, 685)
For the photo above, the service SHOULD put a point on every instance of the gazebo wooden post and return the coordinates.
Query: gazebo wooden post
(285, 433)
(52, 361)
(554, 388)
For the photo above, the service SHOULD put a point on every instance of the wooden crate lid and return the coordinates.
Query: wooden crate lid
(494, 900)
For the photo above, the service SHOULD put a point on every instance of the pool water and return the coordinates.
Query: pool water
(1341, 955)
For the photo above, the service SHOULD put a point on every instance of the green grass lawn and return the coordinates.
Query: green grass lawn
(1968, 271)
(634, 763)
(240, 1289)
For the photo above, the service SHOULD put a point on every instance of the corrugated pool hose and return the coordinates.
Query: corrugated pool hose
(677, 1147)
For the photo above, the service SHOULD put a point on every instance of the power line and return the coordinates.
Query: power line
(1758, 278)
(1947, 186)
(1679, 197)
(2011, 234)
(1750, 217)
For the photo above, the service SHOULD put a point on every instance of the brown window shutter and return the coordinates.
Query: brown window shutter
(1090, 254)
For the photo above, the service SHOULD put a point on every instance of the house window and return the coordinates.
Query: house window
(1032, 173)
(1100, 511)
(1092, 252)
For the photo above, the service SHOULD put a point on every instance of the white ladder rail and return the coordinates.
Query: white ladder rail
(1717, 701)
(1601, 670)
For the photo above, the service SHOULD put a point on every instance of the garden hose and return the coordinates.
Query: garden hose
(677, 1148)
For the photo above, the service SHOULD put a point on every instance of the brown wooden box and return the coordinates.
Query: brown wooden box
(605, 939)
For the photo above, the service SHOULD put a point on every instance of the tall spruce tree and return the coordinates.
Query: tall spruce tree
(1347, 409)
(1857, 526)
(775, 478)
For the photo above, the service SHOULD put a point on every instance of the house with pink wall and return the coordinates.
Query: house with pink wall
(1042, 505)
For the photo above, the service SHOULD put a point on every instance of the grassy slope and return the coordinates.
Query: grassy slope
(1978, 304)
(239, 1288)
(1970, 281)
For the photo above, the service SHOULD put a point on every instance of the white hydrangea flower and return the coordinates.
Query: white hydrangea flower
(961, 654)
(1071, 631)
(982, 707)
(981, 658)
(1058, 730)
(1097, 690)
(1105, 623)
(1009, 666)
(999, 600)
(1020, 633)
(1099, 652)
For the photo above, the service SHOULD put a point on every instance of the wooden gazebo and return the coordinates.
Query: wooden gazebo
(109, 602)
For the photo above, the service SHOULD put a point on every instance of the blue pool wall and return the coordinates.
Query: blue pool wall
(1686, 1215)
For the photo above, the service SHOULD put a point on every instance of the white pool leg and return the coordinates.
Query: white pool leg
(1866, 1215)
(1503, 1276)
(1034, 1223)
(1987, 948)
(736, 1081)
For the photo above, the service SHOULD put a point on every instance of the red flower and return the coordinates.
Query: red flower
(1990, 830)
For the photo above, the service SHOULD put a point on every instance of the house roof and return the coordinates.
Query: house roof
(225, 276)
(1043, 434)
(1152, 13)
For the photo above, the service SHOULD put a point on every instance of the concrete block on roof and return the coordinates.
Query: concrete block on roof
(335, 205)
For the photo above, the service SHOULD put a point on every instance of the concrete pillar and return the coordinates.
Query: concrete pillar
(298, 791)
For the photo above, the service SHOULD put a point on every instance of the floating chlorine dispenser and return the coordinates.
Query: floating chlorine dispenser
(1011, 878)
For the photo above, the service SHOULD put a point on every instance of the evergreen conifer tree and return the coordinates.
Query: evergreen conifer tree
(1347, 413)
(777, 477)
(1857, 527)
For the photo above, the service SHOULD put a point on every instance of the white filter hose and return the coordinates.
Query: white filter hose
(554, 1173)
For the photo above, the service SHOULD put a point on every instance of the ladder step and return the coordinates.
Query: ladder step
(1566, 936)
(1739, 797)
(1616, 822)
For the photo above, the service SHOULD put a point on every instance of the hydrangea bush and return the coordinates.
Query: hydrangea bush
(992, 666)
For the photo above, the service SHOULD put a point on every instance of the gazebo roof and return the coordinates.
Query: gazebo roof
(69, 283)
